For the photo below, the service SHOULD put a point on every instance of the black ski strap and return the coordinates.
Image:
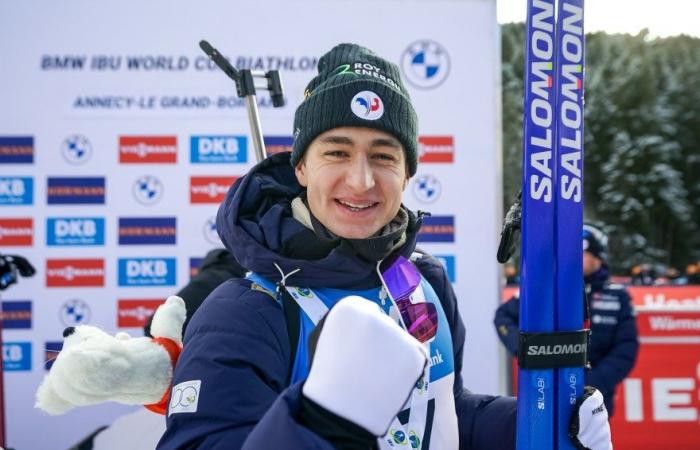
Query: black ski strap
(553, 350)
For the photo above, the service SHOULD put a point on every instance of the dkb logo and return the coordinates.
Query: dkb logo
(218, 149)
(75, 231)
(147, 271)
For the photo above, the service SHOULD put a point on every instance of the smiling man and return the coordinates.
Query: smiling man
(354, 178)
(343, 335)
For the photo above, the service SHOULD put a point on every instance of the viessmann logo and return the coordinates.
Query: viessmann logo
(436, 149)
(16, 232)
(209, 189)
(134, 313)
(148, 149)
(75, 272)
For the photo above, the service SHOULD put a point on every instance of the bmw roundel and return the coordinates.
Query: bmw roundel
(425, 64)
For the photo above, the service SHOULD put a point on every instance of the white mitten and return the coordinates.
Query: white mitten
(94, 367)
(365, 365)
(590, 429)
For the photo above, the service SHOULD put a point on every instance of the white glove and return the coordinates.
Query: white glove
(365, 366)
(589, 428)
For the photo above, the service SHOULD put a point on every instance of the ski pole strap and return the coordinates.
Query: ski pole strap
(553, 350)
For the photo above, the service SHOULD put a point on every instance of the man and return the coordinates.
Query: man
(613, 344)
(322, 229)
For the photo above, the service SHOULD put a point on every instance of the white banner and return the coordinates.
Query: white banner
(118, 138)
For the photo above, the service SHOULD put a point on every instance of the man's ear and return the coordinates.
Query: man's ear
(405, 182)
(300, 172)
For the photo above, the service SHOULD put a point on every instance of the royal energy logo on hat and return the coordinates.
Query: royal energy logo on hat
(367, 105)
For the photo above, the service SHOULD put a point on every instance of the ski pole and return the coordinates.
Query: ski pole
(535, 408)
(568, 154)
(246, 89)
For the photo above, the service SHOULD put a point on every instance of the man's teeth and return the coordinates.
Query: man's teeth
(356, 206)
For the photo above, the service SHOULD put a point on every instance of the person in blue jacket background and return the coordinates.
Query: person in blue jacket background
(314, 228)
(613, 343)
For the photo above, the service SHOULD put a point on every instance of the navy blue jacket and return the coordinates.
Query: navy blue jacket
(237, 345)
(613, 345)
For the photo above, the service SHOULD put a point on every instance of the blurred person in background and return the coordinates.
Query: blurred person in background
(511, 274)
(692, 273)
(643, 275)
(613, 344)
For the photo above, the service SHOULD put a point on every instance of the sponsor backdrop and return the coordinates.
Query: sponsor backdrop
(119, 138)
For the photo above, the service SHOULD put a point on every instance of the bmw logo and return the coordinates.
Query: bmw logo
(425, 64)
(210, 233)
(76, 149)
(427, 188)
(75, 312)
(147, 190)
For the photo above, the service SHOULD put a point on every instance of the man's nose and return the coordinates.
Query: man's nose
(360, 176)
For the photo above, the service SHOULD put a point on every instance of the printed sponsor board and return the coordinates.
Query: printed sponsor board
(437, 229)
(448, 261)
(75, 231)
(436, 149)
(147, 149)
(16, 149)
(51, 350)
(218, 149)
(278, 144)
(134, 313)
(195, 263)
(16, 232)
(75, 191)
(16, 314)
(209, 189)
(147, 230)
(17, 356)
(75, 272)
(16, 191)
(146, 271)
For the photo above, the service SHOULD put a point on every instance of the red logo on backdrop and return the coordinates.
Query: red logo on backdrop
(16, 232)
(658, 404)
(436, 149)
(665, 296)
(134, 313)
(148, 149)
(75, 272)
(209, 189)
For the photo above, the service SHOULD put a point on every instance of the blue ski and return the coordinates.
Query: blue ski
(536, 408)
(568, 185)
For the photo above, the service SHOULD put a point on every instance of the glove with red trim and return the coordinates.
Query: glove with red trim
(95, 367)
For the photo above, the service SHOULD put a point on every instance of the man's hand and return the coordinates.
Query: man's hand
(589, 428)
(364, 366)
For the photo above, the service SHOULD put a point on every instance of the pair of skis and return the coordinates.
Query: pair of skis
(551, 356)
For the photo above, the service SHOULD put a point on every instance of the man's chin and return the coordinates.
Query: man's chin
(358, 232)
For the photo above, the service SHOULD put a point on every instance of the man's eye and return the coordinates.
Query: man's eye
(336, 153)
(385, 157)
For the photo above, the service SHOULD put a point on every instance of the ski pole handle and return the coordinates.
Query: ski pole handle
(245, 88)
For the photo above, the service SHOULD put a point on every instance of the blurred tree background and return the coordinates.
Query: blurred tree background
(642, 142)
